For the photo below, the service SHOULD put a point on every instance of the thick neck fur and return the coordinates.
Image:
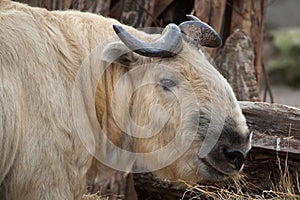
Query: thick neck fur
(104, 109)
(39, 63)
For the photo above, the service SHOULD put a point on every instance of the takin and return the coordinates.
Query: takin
(82, 95)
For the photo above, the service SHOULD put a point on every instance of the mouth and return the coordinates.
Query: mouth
(217, 170)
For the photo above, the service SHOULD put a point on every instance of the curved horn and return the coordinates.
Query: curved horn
(200, 32)
(168, 45)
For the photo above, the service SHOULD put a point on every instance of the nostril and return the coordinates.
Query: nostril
(234, 157)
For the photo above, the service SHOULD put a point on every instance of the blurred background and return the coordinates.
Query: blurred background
(282, 50)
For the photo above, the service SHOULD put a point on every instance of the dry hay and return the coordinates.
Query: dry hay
(238, 191)
(264, 177)
(96, 196)
(282, 183)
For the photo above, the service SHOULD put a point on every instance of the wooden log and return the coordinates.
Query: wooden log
(276, 143)
(272, 119)
(119, 186)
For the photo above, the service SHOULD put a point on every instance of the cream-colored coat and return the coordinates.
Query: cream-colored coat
(41, 54)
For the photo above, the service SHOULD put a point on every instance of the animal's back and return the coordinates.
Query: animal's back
(36, 130)
(40, 54)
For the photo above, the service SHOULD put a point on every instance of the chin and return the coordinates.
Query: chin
(209, 174)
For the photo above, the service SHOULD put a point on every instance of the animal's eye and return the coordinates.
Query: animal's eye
(167, 84)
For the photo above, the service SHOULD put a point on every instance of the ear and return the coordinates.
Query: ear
(117, 52)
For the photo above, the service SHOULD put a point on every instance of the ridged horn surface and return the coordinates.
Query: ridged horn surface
(168, 45)
(200, 32)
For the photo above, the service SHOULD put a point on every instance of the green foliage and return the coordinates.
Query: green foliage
(284, 63)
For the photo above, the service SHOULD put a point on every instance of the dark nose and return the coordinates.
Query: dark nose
(234, 157)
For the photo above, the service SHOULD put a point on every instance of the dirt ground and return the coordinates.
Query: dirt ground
(285, 95)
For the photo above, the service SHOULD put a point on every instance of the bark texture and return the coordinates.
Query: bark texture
(137, 13)
(236, 62)
(95, 6)
(249, 16)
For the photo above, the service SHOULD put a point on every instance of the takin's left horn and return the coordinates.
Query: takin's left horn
(168, 45)
(200, 33)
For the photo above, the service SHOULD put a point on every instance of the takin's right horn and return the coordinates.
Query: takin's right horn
(200, 33)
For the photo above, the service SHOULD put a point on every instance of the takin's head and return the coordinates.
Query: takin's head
(182, 115)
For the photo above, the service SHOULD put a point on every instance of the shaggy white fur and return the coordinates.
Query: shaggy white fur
(42, 155)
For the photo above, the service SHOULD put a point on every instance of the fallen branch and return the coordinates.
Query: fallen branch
(276, 127)
(272, 119)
